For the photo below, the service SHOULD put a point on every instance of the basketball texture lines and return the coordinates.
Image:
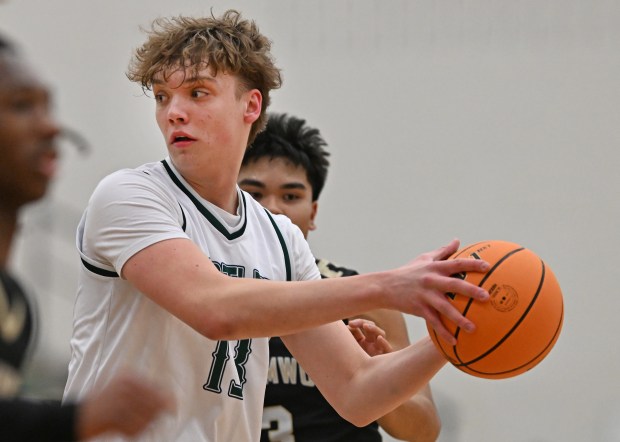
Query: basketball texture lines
(520, 323)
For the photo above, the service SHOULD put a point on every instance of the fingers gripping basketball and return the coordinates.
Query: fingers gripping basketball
(518, 326)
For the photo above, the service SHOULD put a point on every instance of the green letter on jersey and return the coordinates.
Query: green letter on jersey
(220, 355)
(220, 358)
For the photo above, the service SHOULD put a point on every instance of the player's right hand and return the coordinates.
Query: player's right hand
(421, 287)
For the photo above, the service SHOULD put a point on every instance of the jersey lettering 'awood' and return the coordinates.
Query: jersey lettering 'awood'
(295, 410)
(219, 384)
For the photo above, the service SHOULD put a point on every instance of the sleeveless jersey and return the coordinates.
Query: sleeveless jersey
(219, 384)
(294, 409)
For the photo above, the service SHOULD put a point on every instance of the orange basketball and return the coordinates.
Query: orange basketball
(520, 323)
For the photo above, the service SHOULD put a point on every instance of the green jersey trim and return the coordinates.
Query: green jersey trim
(287, 259)
(204, 211)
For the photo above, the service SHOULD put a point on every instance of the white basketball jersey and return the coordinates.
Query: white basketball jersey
(219, 384)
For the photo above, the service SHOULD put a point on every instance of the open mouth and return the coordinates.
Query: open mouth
(181, 138)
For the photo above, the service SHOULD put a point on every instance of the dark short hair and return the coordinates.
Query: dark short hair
(291, 138)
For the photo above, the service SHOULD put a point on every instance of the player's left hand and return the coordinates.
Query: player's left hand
(369, 336)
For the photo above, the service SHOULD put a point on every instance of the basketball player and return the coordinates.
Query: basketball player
(285, 170)
(184, 276)
(27, 136)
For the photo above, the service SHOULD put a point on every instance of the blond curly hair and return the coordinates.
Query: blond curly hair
(228, 43)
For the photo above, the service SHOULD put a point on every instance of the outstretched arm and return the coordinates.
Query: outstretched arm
(179, 277)
(348, 377)
(417, 419)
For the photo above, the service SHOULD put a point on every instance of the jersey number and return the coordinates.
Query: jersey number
(242, 350)
(278, 422)
(220, 358)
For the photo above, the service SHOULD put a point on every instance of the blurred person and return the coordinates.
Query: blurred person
(28, 135)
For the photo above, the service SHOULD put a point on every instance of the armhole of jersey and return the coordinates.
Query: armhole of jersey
(287, 259)
(98, 271)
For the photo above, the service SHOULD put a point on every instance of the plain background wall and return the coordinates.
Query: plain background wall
(475, 119)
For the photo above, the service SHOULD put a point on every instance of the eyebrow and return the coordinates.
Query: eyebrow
(293, 185)
(188, 80)
(36, 90)
(251, 182)
(257, 183)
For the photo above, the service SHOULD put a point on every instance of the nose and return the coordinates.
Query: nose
(271, 203)
(48, 126)
(176, 111)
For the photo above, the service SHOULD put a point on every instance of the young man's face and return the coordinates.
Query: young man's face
(281, 187)
(27, 134)
(205, 120)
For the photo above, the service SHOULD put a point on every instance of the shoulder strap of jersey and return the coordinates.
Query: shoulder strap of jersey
(287, 259)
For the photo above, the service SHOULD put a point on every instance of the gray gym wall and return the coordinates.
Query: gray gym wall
(474, 119)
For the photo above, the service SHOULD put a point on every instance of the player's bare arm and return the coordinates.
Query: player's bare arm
(417, 418)
(180, 278)
(347, 376)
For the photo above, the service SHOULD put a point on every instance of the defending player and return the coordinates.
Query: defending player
(184, 277)
(285, 170)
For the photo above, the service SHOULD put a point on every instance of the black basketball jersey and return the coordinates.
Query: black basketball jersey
(23, 419)
(16, 333)
(294, 408)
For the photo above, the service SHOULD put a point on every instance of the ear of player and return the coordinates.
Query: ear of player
(517, 328)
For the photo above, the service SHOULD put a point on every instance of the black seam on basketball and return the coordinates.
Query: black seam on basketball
(464, 313)
(437, 339)
(514, 327)
(551, 341)
(473, 246)
(468, 248)
(484, 279)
